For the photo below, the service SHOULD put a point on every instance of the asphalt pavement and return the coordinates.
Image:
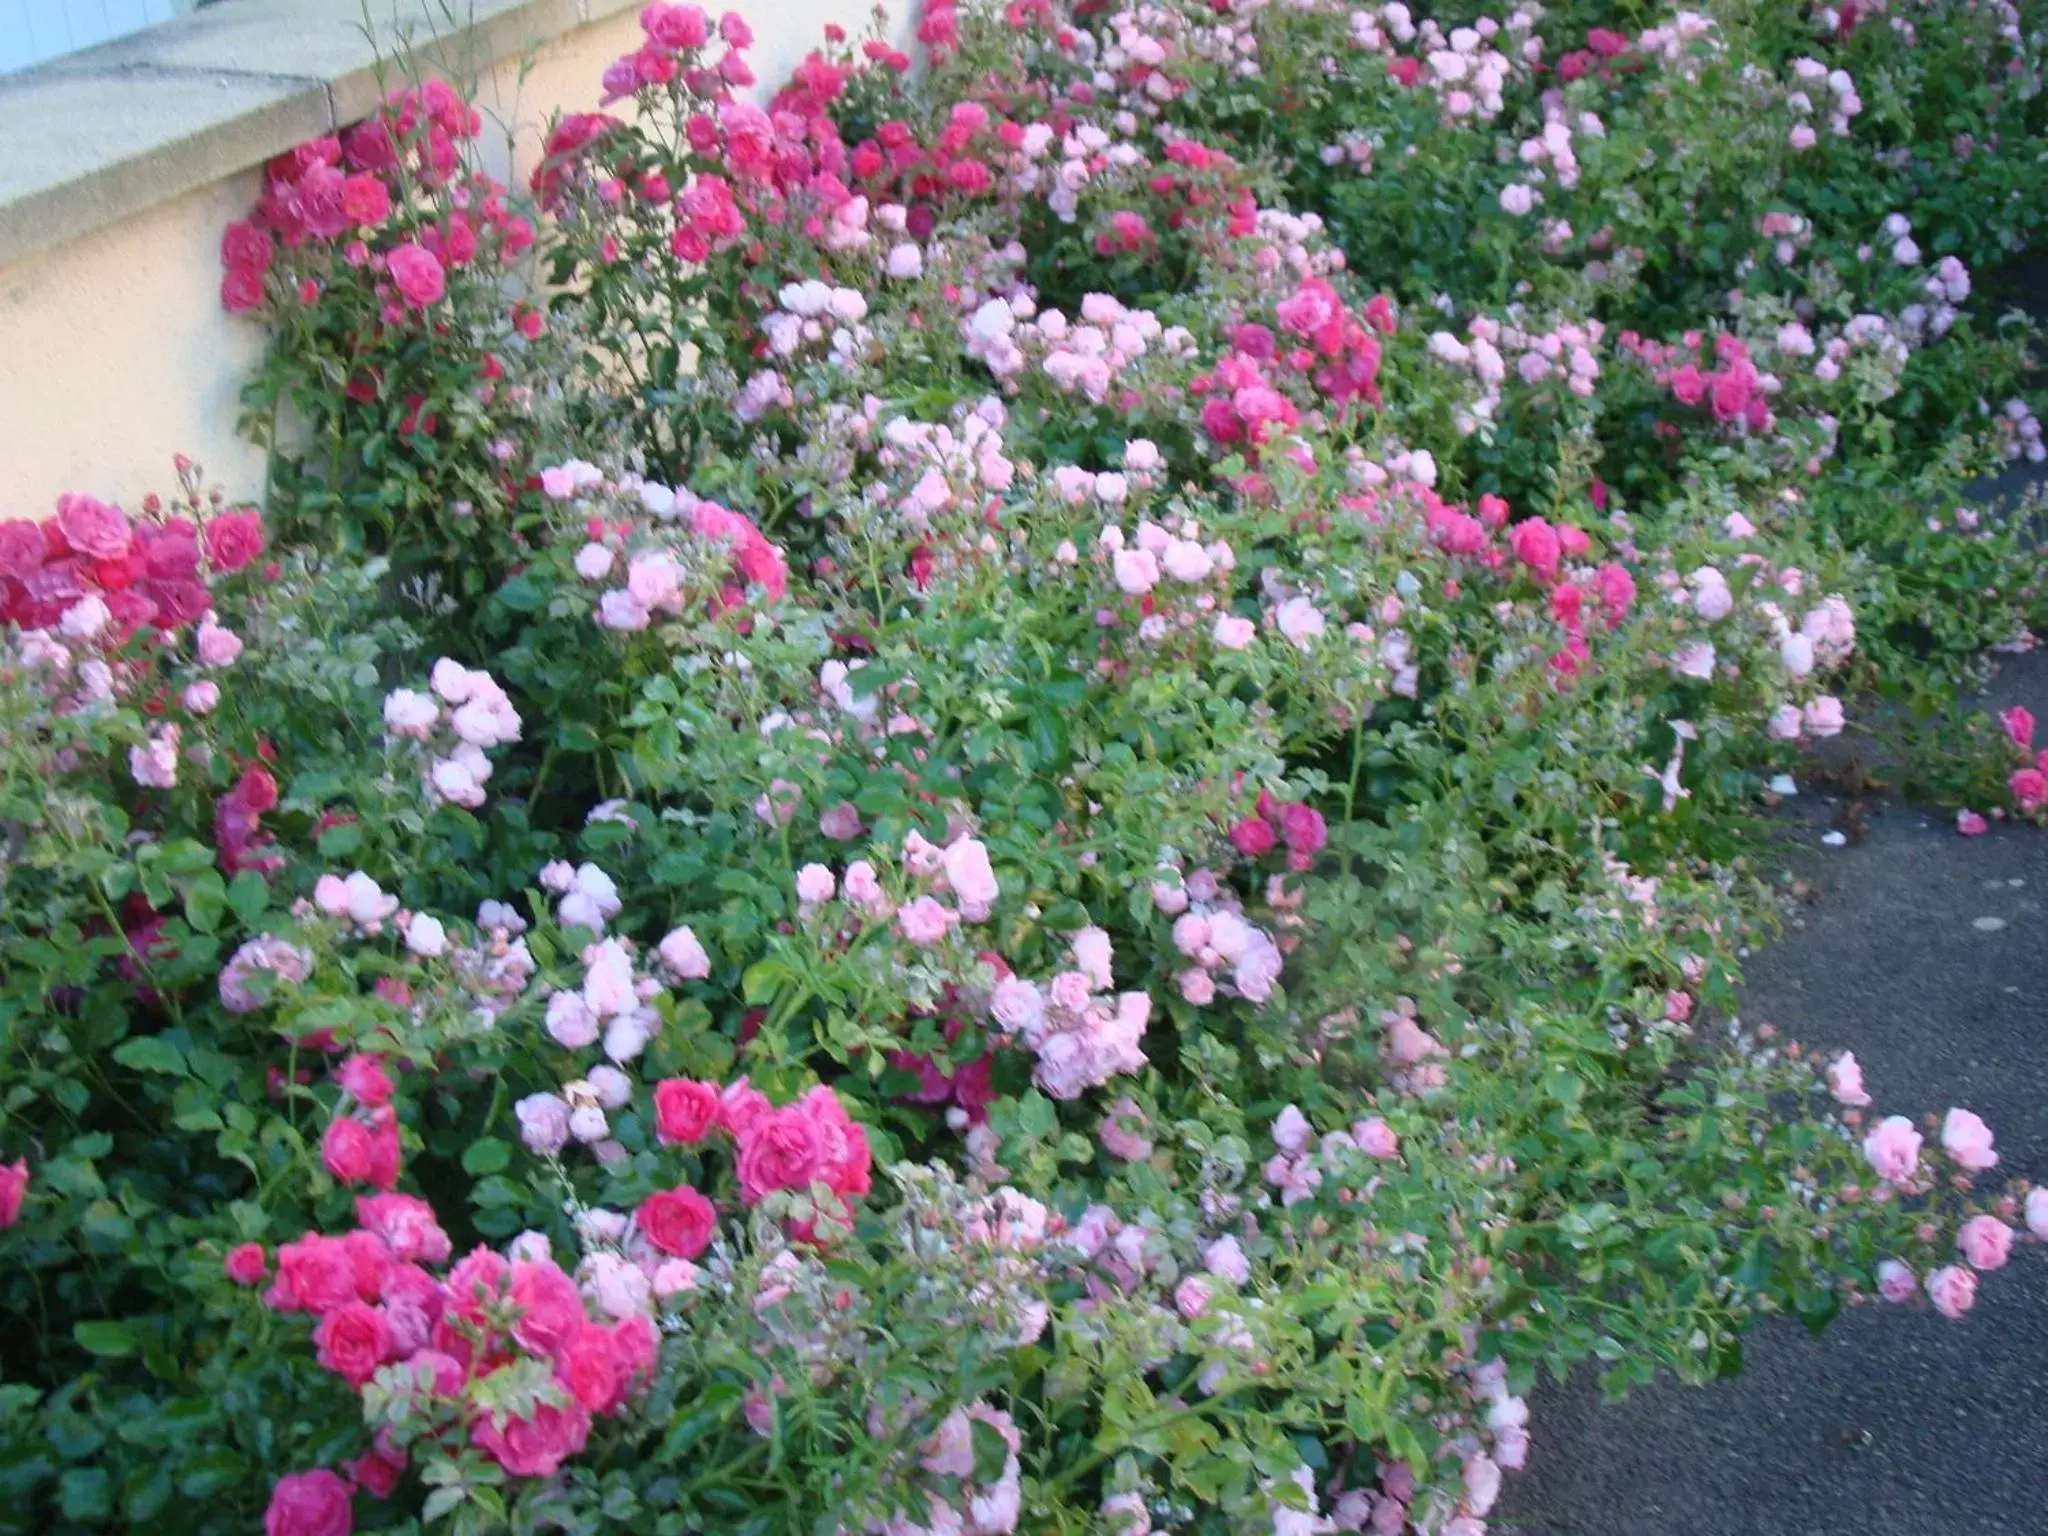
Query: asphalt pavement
(1925, 953)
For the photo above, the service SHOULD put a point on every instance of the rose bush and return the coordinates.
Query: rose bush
(1050, 833)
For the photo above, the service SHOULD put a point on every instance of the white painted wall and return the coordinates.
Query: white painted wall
(34, 30)
(115, 354)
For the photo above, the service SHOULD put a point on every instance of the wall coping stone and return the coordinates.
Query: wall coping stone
(99, 136)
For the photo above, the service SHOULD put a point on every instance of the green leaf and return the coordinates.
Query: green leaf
(87, 1494)
(151, 1053)
(488, 1155)
(341, 840)
(248, 895)
(109, 1340)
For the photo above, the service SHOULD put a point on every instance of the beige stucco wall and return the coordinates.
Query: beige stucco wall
(115, 353)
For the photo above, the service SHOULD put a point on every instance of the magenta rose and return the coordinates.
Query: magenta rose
(347, 1150)
(22, 549)
(233, 539)
(241, 290)
(538, 1446)
(242, 244)
(353, 1342)
(1252, 837)
(364, 201)
(313, 1503)
(476, 1281)
(550, 1307)
(679, 1221)
(780, 1149)
(684, 1111)
(590, 1367)
(13, 1186)
(314, 1274)
(246, 1265)
(417, 272)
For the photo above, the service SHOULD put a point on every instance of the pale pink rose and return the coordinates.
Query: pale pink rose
(1234, 633)
(1796, 651)
(1192, 1296)
(1845, 1081)
(1136, 571)
(2037, 1213)
(1291, 1129)
(950, 1451)
(1092, 955)
(1017, 1005)
(924, 920)
(1197, 986)
(1786, 723)
(570, 1023)
(619, 609)
(202, 697)
(1952, 1289)
(1893, 1149)
(426, 937)
(841, 822)
(1824, 715)
(814, 883)
(973, 880)
(684, 956)
(1986, 1242)
(1299, 622)
(608, 981)
(1375, 1137)
(543, 1123)
(1695, 658)
(1967, 1139)
(1482, 1484)
(1226, 1260)
(594, 562)
(1896, 1283)
(218, 647)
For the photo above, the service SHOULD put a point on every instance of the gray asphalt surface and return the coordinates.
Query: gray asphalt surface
(1892, 1421)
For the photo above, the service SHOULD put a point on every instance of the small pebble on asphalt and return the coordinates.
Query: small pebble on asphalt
(1988, 924)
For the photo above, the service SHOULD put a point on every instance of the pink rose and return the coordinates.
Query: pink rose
(2019, 726)
(780, 1149)
(1375, 1137)
(408, 1226)
(1253, 837)
(246, 1265)
(1226, 1260)
(684, 1110)
(316, 1503)
(1192, 1296)
(13, 1186)
(2029, 788)
(477, 1280)
(1536, 545)
(1986, 1242)
(923, 921)
(537, 1446)
(1968, 1140)
(1970, 824)
(1952, 1289)
(1895, 1282)
(377, 1471)
(680, 1221)
(353, 1342)
(92, 527)
(550, 1306)
(417, 272)
(364, 1079)
(1893, 1149)
(2037, 1213)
